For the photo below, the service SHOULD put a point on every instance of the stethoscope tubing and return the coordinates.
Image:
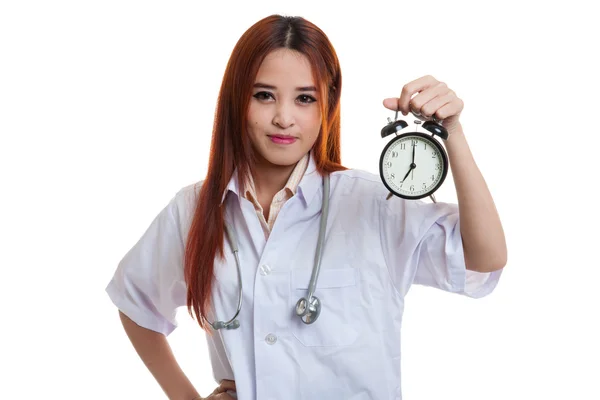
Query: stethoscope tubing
(308, 309)
(322, 228)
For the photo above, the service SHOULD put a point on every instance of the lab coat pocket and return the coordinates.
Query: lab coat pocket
(338, 293)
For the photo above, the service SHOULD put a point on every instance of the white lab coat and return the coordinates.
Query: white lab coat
(373, 252)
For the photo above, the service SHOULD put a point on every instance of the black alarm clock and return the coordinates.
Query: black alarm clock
(414, 164)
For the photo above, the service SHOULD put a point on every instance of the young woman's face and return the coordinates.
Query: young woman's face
(284, 116)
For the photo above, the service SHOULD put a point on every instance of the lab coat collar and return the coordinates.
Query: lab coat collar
(232, 186)
(307, 188)
(311, 181)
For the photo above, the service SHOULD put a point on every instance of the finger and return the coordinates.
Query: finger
(223, 396)
(226, 384)
(412, 88)
(450, 109)
(417, 103)
(392, 103)
(432, 107)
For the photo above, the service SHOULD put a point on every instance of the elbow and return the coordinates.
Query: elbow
(486, 257)
(487, 264)
(494, 267)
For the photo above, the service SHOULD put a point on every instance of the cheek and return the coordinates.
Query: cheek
(313, 122)
(309, 116)
(254, 120)
(254, 113)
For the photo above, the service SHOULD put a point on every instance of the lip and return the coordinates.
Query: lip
(282, 139)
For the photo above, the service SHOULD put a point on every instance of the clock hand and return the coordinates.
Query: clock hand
(407, 173)
(412, 166)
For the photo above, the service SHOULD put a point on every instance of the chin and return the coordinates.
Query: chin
(283, 159)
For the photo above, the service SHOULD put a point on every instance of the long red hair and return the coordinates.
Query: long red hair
(231, 146)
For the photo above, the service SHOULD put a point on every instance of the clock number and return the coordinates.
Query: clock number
(402, 146)
(437, 166)
(424, 186)
(433, 155)
(433, 177)
(394, 154)
(393, 176)
(412, 188)
(414, 143)
(388, 164)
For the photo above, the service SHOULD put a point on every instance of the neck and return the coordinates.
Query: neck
(270, 179)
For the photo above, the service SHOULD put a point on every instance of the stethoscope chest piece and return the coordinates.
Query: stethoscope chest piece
(308, 311)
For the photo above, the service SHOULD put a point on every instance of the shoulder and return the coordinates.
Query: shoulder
(183, 204)
(356, 182)
(188, 195)
(359, 192)
(365, 187)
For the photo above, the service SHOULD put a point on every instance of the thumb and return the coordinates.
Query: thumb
(392, 104)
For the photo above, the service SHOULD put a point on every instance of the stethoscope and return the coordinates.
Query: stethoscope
(307, 308)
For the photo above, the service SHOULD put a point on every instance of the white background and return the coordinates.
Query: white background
(106, 110)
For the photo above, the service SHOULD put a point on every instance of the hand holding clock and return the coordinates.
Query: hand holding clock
(434, 100)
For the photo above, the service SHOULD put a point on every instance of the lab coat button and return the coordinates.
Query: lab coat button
(271, 339)
(265, 270)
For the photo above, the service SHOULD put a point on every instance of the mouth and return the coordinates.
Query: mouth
(282, 139)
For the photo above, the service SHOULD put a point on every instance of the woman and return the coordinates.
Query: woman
(276, 139)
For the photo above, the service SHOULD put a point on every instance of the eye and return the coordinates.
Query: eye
(263, 95)
(306, 99)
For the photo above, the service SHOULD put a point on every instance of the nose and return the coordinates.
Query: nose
(284, 116)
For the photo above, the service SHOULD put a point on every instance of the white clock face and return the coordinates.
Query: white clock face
(427, 167)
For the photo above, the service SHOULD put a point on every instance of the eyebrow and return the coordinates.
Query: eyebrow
(300, 89)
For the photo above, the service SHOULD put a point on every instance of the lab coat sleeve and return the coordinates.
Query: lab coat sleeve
(148, 284)
(422, 244)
